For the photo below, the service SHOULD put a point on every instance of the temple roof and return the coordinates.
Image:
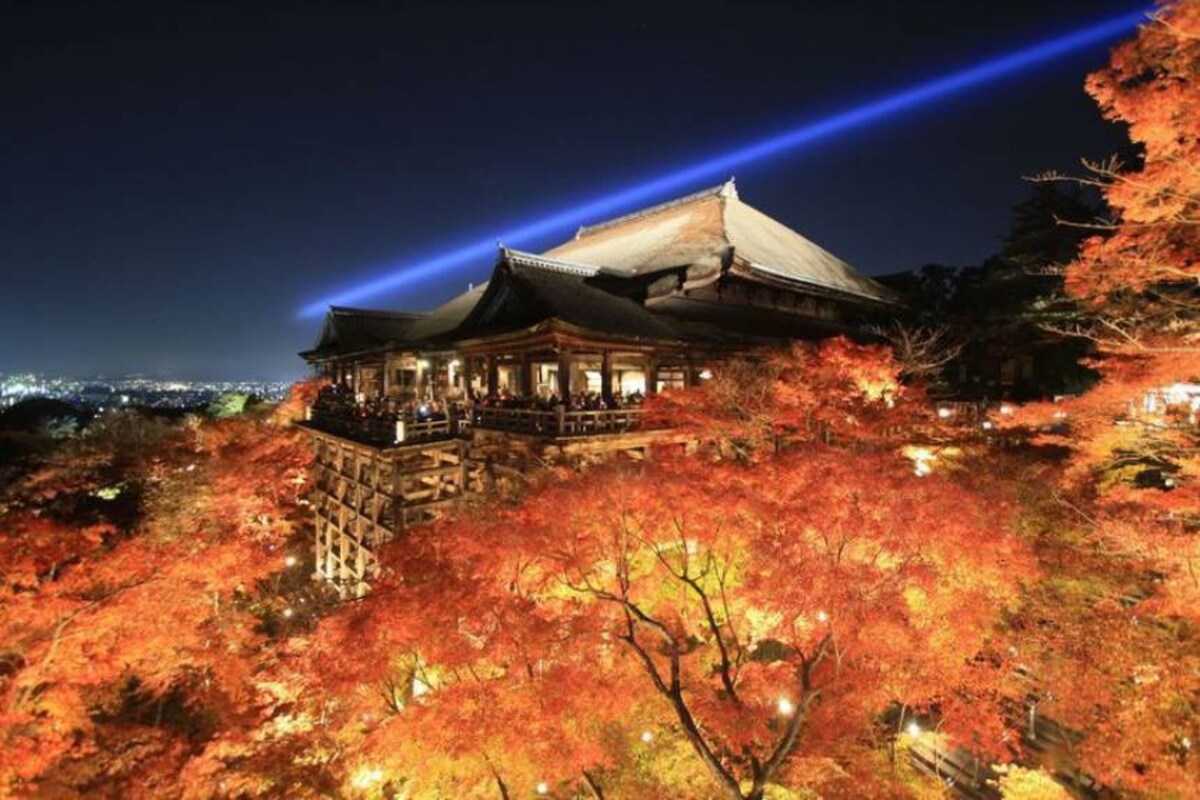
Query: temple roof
(448, 316)
(525, 290)
(599, 281)
(709, 230)
(350, 330)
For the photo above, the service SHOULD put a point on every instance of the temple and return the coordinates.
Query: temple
(552, 358)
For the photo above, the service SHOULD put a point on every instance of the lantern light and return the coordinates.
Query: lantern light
(822, 616)
(287, 613)
(543, 788)
(366, 777)
(290, 561)
(647, 737)
(786, 707)
(913, 729)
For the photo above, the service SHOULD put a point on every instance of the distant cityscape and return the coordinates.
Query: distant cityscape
(131, 391)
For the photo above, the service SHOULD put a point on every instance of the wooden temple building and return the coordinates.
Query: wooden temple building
(551, 358)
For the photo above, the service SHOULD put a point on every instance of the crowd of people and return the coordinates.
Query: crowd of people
(337, 404)
(582, 401)
(340, 400)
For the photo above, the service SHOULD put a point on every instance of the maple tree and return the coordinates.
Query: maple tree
(1116, 619)
(746, 619)
(122, 628)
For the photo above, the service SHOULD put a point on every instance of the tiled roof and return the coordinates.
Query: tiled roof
(350, 330)
(710, 229)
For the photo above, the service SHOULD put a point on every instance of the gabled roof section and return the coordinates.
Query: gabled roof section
(769, 246)
(350, 330)
(523, 291)
(684, 232)
(448, 316)
(707, 231)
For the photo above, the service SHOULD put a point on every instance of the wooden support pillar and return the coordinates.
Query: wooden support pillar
(385, 377)
(651, 369)
(466, 374)
(434, 390)
(525, 377)
(565, 359)
(606, 376)
(493, 375)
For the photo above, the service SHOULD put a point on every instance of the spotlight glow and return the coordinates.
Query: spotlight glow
(908, 98)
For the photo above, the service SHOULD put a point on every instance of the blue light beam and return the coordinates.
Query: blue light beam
(908, 98)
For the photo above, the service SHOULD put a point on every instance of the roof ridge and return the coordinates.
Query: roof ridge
(726, 189)
(551, 264)
(377, 312)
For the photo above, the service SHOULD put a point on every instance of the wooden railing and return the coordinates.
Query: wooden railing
(385, 431)
(557, 421)
(382, 431)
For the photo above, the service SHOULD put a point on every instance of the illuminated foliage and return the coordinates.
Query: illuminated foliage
(1116, 620)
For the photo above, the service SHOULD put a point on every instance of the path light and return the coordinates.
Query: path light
(290, 561)
(786, 707)
(287, 613)
(647, 737)
(543, 788)
(366, 777)
(913, 729)
(922, 458)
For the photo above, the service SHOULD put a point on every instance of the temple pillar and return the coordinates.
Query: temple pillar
(651, 367)
(466, 374)
(525, 376)
(606, 390)
(493, 375)
(565, 359)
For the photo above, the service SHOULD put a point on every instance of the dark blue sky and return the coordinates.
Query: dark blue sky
(177, 179)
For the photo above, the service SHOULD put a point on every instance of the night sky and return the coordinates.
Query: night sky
(176, 180)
